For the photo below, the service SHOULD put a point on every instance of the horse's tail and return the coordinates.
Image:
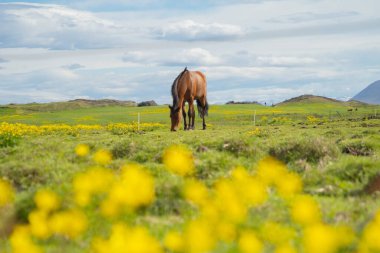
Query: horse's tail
(202, 110)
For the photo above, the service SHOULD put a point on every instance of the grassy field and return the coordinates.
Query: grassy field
(334, 148)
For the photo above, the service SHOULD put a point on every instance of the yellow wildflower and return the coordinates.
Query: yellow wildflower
(196, 192)
(174, 241)
(179, 160)
(276, 233)
(199, 237)
(22, 242)
(270, 170)
(370, 238)
(6, 193)
(70, 223)
(229, 201)
(321, 238)
(289, 185)
(251, 189)
(102, 157)
(94, 181)
(226, 231)
(305, 210)
(124, 239)
(82, 149)
(46, 200)
(38, 221)
(249, 243)
(134, 189)
(286, 248)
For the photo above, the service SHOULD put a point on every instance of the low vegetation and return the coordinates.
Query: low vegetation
(301, 178)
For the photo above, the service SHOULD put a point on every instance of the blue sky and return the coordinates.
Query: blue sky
(259, 50)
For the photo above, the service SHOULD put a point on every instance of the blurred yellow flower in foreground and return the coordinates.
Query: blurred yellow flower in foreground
(82, 149)
(251, 189)
(94, 181)
(277, 233)
(46, 200)
(270, 170)
(196, 192)
(371, 234)
(102, 157)
(286, 248)
(6, 193)
(174, 241)
(22, 242)
(324, 238)
(179, 160)
(134, 189)
(289, 185)
(199, 237)
(226, 231)
(305, 210)
(39, 227)
(249, 243)
(125, 239)
(69, 223)
(229, 201)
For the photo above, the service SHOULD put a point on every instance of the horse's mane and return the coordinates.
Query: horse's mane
(175, 90)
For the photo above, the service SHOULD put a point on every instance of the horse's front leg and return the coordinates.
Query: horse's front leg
(191, 115)
(184, 117)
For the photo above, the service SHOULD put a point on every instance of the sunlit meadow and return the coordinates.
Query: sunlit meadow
(260, 179)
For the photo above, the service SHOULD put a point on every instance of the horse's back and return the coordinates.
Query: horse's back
(199, 83)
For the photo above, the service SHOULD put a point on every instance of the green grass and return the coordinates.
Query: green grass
(317, 151)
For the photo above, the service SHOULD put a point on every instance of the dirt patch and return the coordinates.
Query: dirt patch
(373, 186)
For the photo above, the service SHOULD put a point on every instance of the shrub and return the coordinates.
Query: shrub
(311, 150)
(8, 140)
(123, 149)
(357, 148)
(237, 147)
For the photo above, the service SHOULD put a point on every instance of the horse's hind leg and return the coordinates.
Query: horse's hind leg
(204, 123)
(204, 113)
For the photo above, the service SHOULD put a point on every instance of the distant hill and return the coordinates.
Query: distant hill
(370, 95)
(72, 104)
(147, 103)
(310, 99)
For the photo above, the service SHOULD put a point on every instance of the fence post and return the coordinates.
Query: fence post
(254, 119)
(138, 121)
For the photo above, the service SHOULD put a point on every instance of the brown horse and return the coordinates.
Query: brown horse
(187, 87)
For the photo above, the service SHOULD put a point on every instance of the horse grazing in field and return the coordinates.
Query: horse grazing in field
(187, 87)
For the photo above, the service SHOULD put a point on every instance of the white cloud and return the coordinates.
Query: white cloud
(185, 57)
(285, 60)
(193, 57)
(191, 30)
(56, 27)
(313, 16)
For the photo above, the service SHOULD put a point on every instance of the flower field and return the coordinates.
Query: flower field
(291, 183)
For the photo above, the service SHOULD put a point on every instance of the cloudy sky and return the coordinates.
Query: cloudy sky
(262, 50)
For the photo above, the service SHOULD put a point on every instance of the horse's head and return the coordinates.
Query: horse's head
(175, 116)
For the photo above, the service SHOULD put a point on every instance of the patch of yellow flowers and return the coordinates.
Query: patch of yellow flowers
(222, 220)
(18, 129)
